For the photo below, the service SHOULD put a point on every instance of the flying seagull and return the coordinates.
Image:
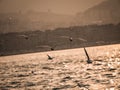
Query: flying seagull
(52, 48)
(24, 36)
(81, 39)
(67, 37)
(71, 39)
(88, 58)
(49, 57)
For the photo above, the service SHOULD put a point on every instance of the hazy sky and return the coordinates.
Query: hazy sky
(56, 6)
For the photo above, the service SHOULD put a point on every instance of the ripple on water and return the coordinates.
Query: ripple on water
(109, 75)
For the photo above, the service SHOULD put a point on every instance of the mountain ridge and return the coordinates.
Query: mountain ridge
(103, 13)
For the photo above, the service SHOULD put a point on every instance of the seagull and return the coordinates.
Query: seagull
(25, 36)
(52, 48)
(71, 39)
(88, 58)
(82, 39)
(49, 57)
(67, 37)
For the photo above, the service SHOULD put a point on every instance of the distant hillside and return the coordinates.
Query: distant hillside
(60, 38)
(32, 21)
(106, 12)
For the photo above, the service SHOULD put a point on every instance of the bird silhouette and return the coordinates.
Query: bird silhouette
(82, 39)
(67, 37)
(88, 58)
(24, 36)
(70, 39)
(52, 48)
(49, 57)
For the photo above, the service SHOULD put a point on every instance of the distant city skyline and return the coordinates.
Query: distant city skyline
(69, 7)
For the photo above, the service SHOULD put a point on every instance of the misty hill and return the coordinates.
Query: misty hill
(106, 12)
(30, 21)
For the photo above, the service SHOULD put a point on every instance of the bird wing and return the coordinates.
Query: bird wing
(64, 36)
(22, 36)
(81, 39)
(86, 54)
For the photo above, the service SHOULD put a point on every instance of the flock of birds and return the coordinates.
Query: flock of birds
(52, 48)
(89, 61)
